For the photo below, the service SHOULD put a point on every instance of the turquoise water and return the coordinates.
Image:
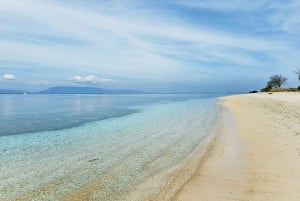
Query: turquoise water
(101, 147)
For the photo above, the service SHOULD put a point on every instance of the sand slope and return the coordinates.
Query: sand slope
(261, 160)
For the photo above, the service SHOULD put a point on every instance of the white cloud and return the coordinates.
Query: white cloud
(119, 39)
(90, 79)
(285, 16)
(9, 77)
(105, 37)
(225, 6)
(273, 15)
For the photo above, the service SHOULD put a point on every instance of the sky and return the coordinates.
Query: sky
(154, 46)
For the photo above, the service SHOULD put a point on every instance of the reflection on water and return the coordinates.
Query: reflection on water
(7, 106)
(34, 113)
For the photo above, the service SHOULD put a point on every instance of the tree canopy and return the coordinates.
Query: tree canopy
(298, 73)
(277, 81)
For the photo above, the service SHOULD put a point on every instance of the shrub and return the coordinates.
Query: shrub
(284, 90)
(266, 89)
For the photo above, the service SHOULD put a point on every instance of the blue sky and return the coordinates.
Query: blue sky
(166, 46)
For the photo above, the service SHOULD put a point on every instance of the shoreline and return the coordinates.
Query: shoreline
(212, 140)
(226, 152)
(259, 158)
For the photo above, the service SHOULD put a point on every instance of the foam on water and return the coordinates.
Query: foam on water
(141, 156)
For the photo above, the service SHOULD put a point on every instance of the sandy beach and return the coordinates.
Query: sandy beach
(257, 153)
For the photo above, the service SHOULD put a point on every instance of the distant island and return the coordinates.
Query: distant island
(74, 90)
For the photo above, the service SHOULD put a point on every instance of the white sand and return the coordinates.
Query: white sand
(261, 160)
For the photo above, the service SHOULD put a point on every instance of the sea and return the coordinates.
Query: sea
(102, 147)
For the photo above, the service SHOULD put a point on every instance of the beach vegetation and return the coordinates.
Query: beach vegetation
(284, 90)
(298, 73)
(267, 88)
(276, 81)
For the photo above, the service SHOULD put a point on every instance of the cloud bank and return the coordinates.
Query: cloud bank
(90, 79)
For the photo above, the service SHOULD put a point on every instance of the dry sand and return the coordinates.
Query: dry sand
(258, 159)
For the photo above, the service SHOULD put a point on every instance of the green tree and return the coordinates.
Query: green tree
(277, 81)
(298, 73)
(267, 88)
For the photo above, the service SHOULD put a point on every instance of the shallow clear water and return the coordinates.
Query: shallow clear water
(101, 147)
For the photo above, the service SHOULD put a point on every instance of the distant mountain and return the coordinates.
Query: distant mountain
(10, 91)
(86, 90)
